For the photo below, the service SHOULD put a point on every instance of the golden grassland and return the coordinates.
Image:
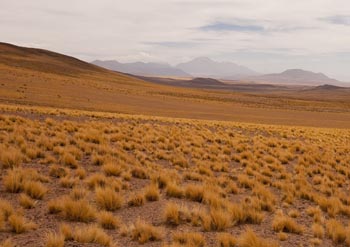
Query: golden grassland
(38, 77)
(72, 178)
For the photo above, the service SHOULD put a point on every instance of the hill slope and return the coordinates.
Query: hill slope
(39, 77)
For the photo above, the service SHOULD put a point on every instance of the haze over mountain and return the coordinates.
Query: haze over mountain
(198, 67)
(205, 67)
(140, 68)
(296, 76)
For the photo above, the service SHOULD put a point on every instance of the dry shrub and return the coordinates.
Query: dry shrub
(67, 231)
(26, 202)
(35, 190)
(78, 193)
(317, 230)
(250, 239)
(137, 200)
(315, 212)
(241, 214)
(172, 214)
(174, 190)
(14, 180)
(139, 172)
(79, 210)
(107, 220)
(18, 224)
(192, 239)
(68, 182)
(54, 239)
(80, 173)
(194, 192)
(57, 171)
(112, 169)
(6, 209)
(282, 223)
(143, 232)
(69, 160)
(282, 236)
(226, 240)
(162, 180)
(7, 243)
(216, 220)
(55, 206)
(152, 193)
(10, 158)
(315, 241)
(108, 199)
(294, 213)
(336, 231)
(97, 160)
(96, 180)
(91, 234)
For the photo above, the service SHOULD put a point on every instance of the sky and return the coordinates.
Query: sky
(265, 35)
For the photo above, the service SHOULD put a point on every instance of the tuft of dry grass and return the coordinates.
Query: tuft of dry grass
(26, 202)
(143, 232)
(172, 214)
(79, 210)
(139, 172)
(107, 220)
(112, 169)
(250, 239)
(108, 199)
(7, 243)
(69, 160)
(57, 171)
(35, 190)
(137, 200)
(241, 214)
(336, 231)
(192, 239)
(10, 158)
(54, 239)
(317, 230)
(282, 223)
(282, 236)
(226, 240)
(18, 224)
(152, 193)
(14, 180)
(174, 190)
(216, 220)
(194, 192)
(91, 234)
(67, 231)
(6, 209)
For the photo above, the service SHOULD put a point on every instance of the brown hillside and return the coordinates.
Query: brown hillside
(40, 77)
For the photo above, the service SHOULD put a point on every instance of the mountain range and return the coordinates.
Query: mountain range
(140, 68)
(198, 67)
(296, 76)
(205, 67)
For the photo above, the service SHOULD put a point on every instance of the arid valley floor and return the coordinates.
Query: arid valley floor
(90, 157)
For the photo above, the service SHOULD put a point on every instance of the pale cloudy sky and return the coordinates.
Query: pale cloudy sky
(265, 35)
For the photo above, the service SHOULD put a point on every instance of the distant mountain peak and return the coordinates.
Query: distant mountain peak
(206, 67)
(296, 76)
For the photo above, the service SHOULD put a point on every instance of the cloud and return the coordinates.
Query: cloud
(177, 30)
(223, 26)
(172, 44)
(338, 19)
